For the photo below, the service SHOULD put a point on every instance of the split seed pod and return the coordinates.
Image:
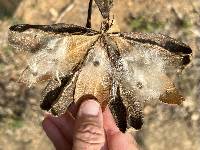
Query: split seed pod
(119, 69)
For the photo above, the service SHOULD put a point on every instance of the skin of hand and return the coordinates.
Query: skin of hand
(87, 128)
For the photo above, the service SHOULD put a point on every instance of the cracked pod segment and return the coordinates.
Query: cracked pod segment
(121, 70)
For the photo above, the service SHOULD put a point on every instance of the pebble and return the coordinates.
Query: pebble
(189, 104)
(9, 111)
(32, 100)
(195, 116)
(9, 132)
(53, 12)
(148, 110)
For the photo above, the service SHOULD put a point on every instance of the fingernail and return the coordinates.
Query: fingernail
(89, 107)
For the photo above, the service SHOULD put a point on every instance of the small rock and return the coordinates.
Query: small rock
(195, 116)
(32, 100)
(9, 111)
(189, 104)
(9, 132)
(148, 110)
(53, 12)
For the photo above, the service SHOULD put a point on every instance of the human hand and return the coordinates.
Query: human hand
(90, 129)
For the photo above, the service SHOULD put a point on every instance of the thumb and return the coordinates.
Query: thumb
(89, 131)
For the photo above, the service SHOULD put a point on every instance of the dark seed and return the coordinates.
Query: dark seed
(139, 85)
(96, 63)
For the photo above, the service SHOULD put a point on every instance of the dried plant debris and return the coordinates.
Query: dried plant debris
(121, 70)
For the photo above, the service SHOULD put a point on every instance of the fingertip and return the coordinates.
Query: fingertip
(54, 134)
(73, 109)
(45, 122)
(89, 132)
(48, 125)
(65, 123)
(115, 138)
(109, 122)
(46, 114)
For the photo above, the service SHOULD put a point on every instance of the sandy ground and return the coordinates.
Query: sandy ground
(165, 127)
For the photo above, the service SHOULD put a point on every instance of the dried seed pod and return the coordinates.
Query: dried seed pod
(121, 70)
